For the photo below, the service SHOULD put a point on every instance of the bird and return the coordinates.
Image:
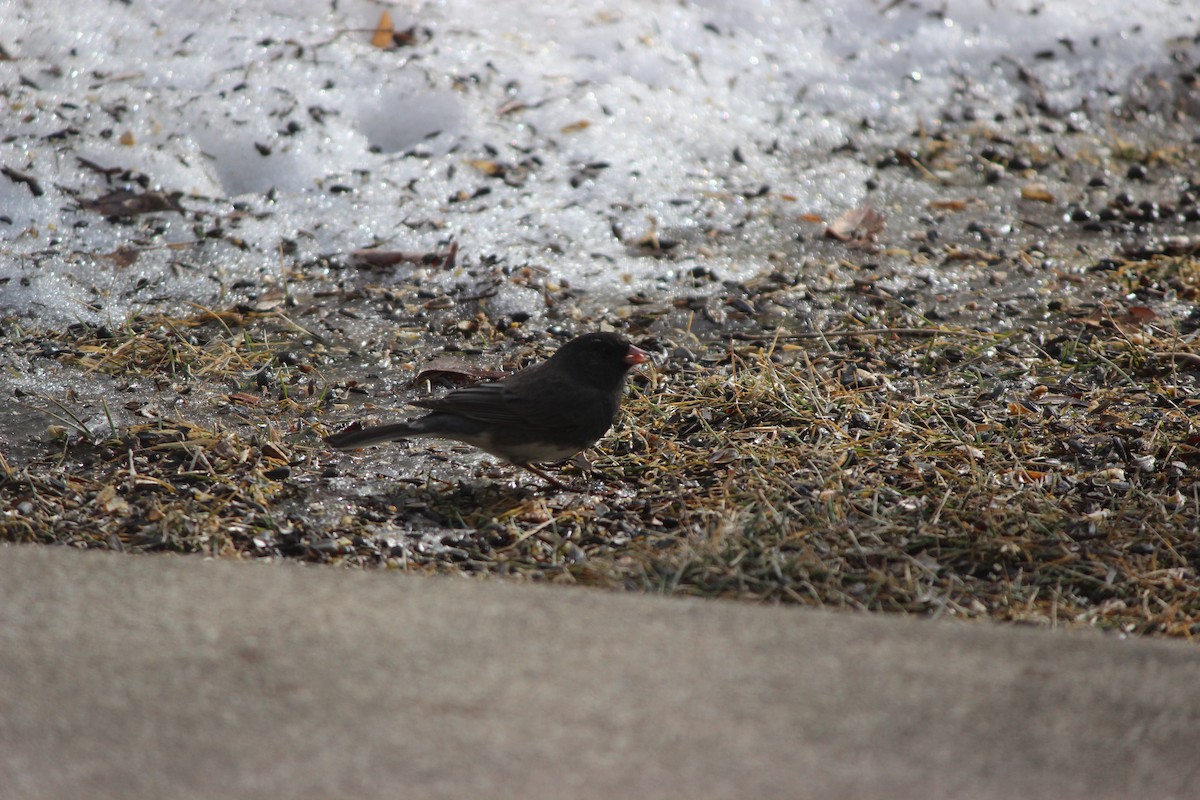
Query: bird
(544, 413)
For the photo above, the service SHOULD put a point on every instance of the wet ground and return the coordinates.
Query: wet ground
(973, 395)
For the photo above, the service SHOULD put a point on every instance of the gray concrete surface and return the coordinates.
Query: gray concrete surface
(145, 677)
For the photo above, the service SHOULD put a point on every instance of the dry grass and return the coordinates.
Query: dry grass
(1040, 476)
(1029, 456)
(877, 479)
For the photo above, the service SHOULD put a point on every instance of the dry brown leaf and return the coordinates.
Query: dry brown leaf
(455, 370)
(1026, 475)
(223, 317)
(857, 225)
(1142, 314)
(493, 169)
(123, 257)
(108, 499)
(275, 452)
(1036, 192)
(384, 32)
(1128, 323)
(388, 258)
(244, 399)
(512, 106)
(726, 455)
(124, 203)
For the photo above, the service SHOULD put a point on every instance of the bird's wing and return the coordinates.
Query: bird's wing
(485, 402)
(549, 402)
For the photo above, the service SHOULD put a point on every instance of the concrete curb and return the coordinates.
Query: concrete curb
(147, 677)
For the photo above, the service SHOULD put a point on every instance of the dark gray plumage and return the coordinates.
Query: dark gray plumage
(544, 413)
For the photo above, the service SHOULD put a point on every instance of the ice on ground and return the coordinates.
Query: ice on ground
(534, 134)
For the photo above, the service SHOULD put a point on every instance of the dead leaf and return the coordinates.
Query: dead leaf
(726, 455)
(123, 257)
(970, 451)
(576, 127)
(714, 311)
(229, 318)
(1026, 475)
(493, 169)
(108, 499)
(511, 107)
(388, 258)
(1036, 192)
(384, 32)
(244, 399)
(275, 452)
(1128, 323)
(857, 225)
(652, 242)
(455, 370)
(126, 203)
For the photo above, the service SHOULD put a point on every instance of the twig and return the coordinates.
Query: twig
(846, 334)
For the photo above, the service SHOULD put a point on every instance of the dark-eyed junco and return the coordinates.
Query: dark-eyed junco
(544, 413)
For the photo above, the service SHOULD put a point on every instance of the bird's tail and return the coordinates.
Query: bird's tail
(355, 436)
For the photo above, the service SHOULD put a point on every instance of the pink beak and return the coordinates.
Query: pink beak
(636, 355)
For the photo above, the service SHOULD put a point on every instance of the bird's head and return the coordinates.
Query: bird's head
(604, 357)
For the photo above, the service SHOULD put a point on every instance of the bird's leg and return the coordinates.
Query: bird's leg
(563, 486)
(557, 484)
